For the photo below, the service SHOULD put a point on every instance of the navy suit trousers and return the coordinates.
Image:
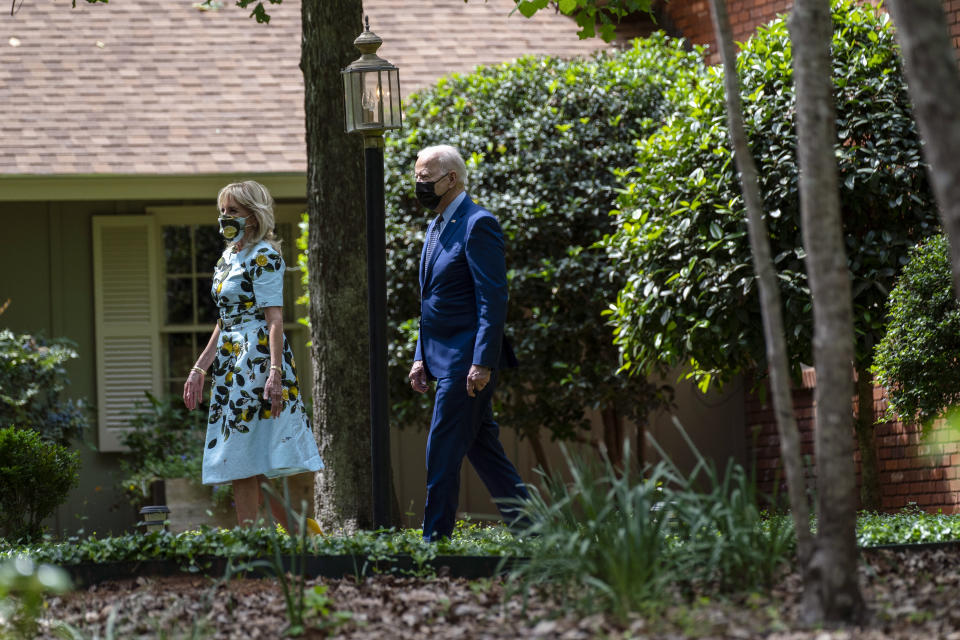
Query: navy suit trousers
(464, 426)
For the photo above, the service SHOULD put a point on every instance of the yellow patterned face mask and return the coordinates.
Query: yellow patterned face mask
(232, 228)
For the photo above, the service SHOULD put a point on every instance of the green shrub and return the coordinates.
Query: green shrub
(32, 376)
(36, 476)
(542, 138)
(690, 298)
(916, 361)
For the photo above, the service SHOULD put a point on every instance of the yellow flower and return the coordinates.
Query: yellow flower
(262, 260)
(229, 377)
(248, 304)
(266, 413)
(314, 527)
(285, 395)
(245, 416)
(219, 286)
(294, 392)
(236, 348)
(229, 232)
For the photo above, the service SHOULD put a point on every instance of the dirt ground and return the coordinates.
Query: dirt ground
(911, 595)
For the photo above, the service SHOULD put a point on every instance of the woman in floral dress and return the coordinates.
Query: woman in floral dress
(257, 426)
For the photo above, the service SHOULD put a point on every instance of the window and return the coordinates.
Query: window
(189, 253)
(154, 312)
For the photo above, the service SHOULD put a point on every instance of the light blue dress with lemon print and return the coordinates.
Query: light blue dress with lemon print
(243, 438)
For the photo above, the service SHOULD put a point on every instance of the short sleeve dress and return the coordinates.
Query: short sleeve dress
(243, 438)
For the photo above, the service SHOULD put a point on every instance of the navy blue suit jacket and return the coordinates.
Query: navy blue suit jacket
(463, 296)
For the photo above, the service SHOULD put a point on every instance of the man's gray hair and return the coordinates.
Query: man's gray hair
(448, 158)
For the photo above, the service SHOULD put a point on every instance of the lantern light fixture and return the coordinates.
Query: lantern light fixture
(371, 89)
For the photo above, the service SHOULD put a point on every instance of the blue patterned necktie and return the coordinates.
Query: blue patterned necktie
(432, 240)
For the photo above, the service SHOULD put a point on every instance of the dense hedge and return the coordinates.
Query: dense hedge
(916, 361)
(543, 139)
(35, 475)
(690, 296)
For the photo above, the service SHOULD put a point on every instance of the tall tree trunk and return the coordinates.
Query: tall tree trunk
(613, 435)
(770, 304)
(337, 264)
(867, 441)
(934, 85)
(833, 566)
(540, 454)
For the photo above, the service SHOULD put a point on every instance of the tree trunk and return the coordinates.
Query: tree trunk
(867, 441)
(833, 566)
(337, 264)
(770, 304)
(613, 436)
(538, 452)
(934, 85)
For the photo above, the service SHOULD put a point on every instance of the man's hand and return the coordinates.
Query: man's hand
(418, 377)
(477, 379)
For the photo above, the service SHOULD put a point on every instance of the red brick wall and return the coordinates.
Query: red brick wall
(923, 471)
(691, 18)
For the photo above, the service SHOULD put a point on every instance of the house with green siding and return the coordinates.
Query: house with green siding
(121, 123)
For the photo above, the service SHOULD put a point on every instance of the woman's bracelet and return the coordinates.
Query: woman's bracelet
(198, 370)
(273, 366)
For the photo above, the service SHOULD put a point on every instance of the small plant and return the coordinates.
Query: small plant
(32, 377)
(319, 609)
(166, 441)
(293, 579)
(23, 584)
(36, 476)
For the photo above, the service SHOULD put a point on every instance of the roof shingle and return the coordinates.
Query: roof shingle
(157, 87)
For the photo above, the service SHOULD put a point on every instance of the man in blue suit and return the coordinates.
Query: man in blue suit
(463, 307)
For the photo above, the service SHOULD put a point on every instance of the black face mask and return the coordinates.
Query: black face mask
(426, 194)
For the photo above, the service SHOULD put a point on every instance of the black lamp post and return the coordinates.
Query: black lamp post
(371, 96)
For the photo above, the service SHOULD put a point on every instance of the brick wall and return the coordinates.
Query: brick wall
(912, 469)
(691, 19)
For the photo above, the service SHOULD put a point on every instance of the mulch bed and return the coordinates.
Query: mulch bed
(912, 594)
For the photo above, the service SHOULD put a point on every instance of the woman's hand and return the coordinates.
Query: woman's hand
(193, 389)
(273, 392)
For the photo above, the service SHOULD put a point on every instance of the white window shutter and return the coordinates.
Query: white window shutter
(127, 320)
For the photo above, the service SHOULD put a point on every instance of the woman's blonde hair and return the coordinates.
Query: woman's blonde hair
(254, 198)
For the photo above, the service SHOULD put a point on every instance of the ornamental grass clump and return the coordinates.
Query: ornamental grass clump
(724, 538)
(611, 539)
(602, 537)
